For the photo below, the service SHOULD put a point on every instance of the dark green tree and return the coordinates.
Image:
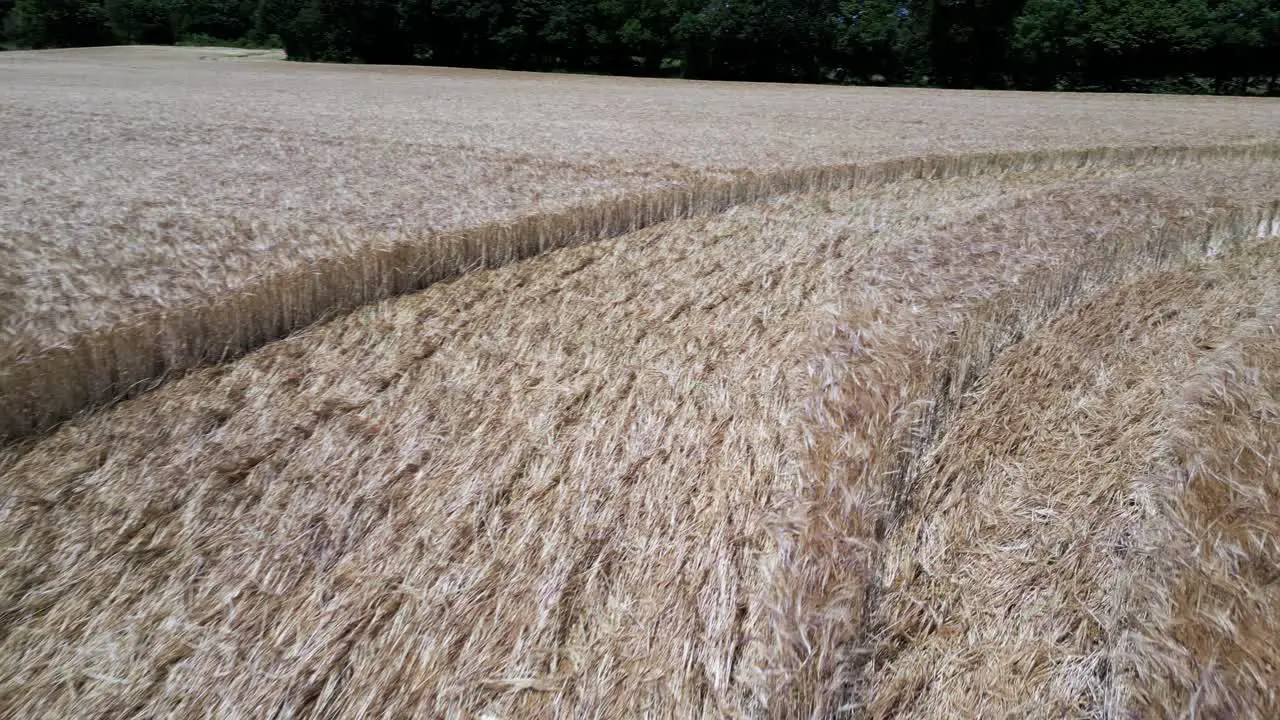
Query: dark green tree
(1048, 44)
(233, 20)
(636, 35)
(969, 42)
(1226, 46)
(1143, 44)
(460, 32)
(344, 31)
(1239, 49)
(785, 40)
(59, 23)
(571, 35)
(151, 22)
(878, 41)
(1266, 58)
(5, 7)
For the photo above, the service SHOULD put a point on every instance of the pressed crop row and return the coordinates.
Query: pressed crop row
(872, 429)
(110, 364)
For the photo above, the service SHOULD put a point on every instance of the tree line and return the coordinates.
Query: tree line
(1218, 46)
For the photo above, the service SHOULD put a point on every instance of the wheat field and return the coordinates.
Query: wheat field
(163, 208)
(719, 400)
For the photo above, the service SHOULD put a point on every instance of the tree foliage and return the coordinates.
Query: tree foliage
(1225, 46)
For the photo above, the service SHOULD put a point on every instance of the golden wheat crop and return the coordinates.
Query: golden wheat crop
(782, 460)
(1093, 534)
(166, 208)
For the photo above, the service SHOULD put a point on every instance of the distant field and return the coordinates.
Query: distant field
(144, 179)
(732, 428)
